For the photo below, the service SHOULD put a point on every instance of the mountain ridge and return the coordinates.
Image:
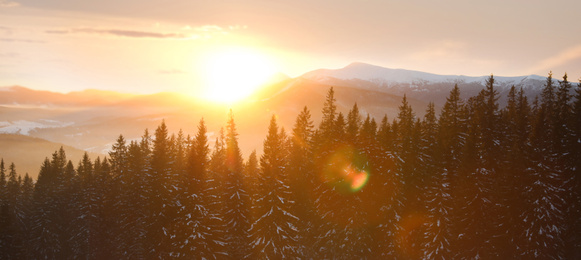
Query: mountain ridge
(424, 86)
(370, 72)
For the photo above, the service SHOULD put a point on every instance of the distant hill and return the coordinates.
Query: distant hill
(28, 152)
(18, 95)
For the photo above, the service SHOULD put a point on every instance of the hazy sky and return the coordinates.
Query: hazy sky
(153, 45)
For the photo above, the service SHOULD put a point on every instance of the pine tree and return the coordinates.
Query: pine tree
(55, 210)
(481, 185)
(163, 187)
(89, 200)
(274, 232)
(302, 181)
(324, 145)
(106, 223)
(437, 197)
(236, 197)
(329, 113)
(574, 240)
(368, 159)
(179, 153)
(251, 172)
(387, 183)
(196, 233)
(134, 200)
(120, 197)
(11, 217)
(118, 155)
(4, 214)
(516, 121)
(451, 140)
(27, 188)
(545, 212)
(353, 124)
(342, 229)
(215, 193)
(497, 187)
(407, 152)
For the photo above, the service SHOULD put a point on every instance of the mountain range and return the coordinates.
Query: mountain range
(91, 120)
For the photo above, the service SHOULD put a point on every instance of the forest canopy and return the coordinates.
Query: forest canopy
(472, 181)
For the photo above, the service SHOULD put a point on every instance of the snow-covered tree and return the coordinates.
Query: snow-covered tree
(302, 181)
(274, 231)
(235, 196)
(544, 214)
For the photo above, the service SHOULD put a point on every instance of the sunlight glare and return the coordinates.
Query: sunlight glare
(233, 74)
(355, 178)
(348, 169)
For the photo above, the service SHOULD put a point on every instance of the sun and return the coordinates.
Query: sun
(233, 74)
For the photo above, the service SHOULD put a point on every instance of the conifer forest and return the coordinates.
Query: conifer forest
(474, 180)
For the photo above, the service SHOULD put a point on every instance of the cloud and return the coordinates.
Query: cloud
(20, 40)
(172, 71)
(201, 32)
(562, 58)
(211, 28)
(57, 31)
(8, 3)
(9, 55)
(122, 33)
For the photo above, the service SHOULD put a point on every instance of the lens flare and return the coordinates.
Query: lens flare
(355, 178)
(347, 169)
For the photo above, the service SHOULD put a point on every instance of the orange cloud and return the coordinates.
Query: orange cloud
(205, 31)
(122, 33)
(20, 40)
(8, 3)
(561, 58)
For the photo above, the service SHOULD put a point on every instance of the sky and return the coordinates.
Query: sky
(149, 46)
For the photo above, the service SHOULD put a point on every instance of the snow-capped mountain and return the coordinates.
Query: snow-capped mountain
(385, 76)
(424, 86)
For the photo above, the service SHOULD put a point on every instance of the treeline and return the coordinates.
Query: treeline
(477, 181)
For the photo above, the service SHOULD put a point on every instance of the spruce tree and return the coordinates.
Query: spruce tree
(407, 154)
(135, 207)
(544, 205)
(388, 184)
(118, 158)
(196, 235)
(302, 181)
(11, 217)
(516, 123)
(4, 219)
(27, 188)
(55, 210)
(236, 197)
(163, 187)
(274, 232)
(574, 240)
(329, 113)
(437, 197)
(353, 124)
